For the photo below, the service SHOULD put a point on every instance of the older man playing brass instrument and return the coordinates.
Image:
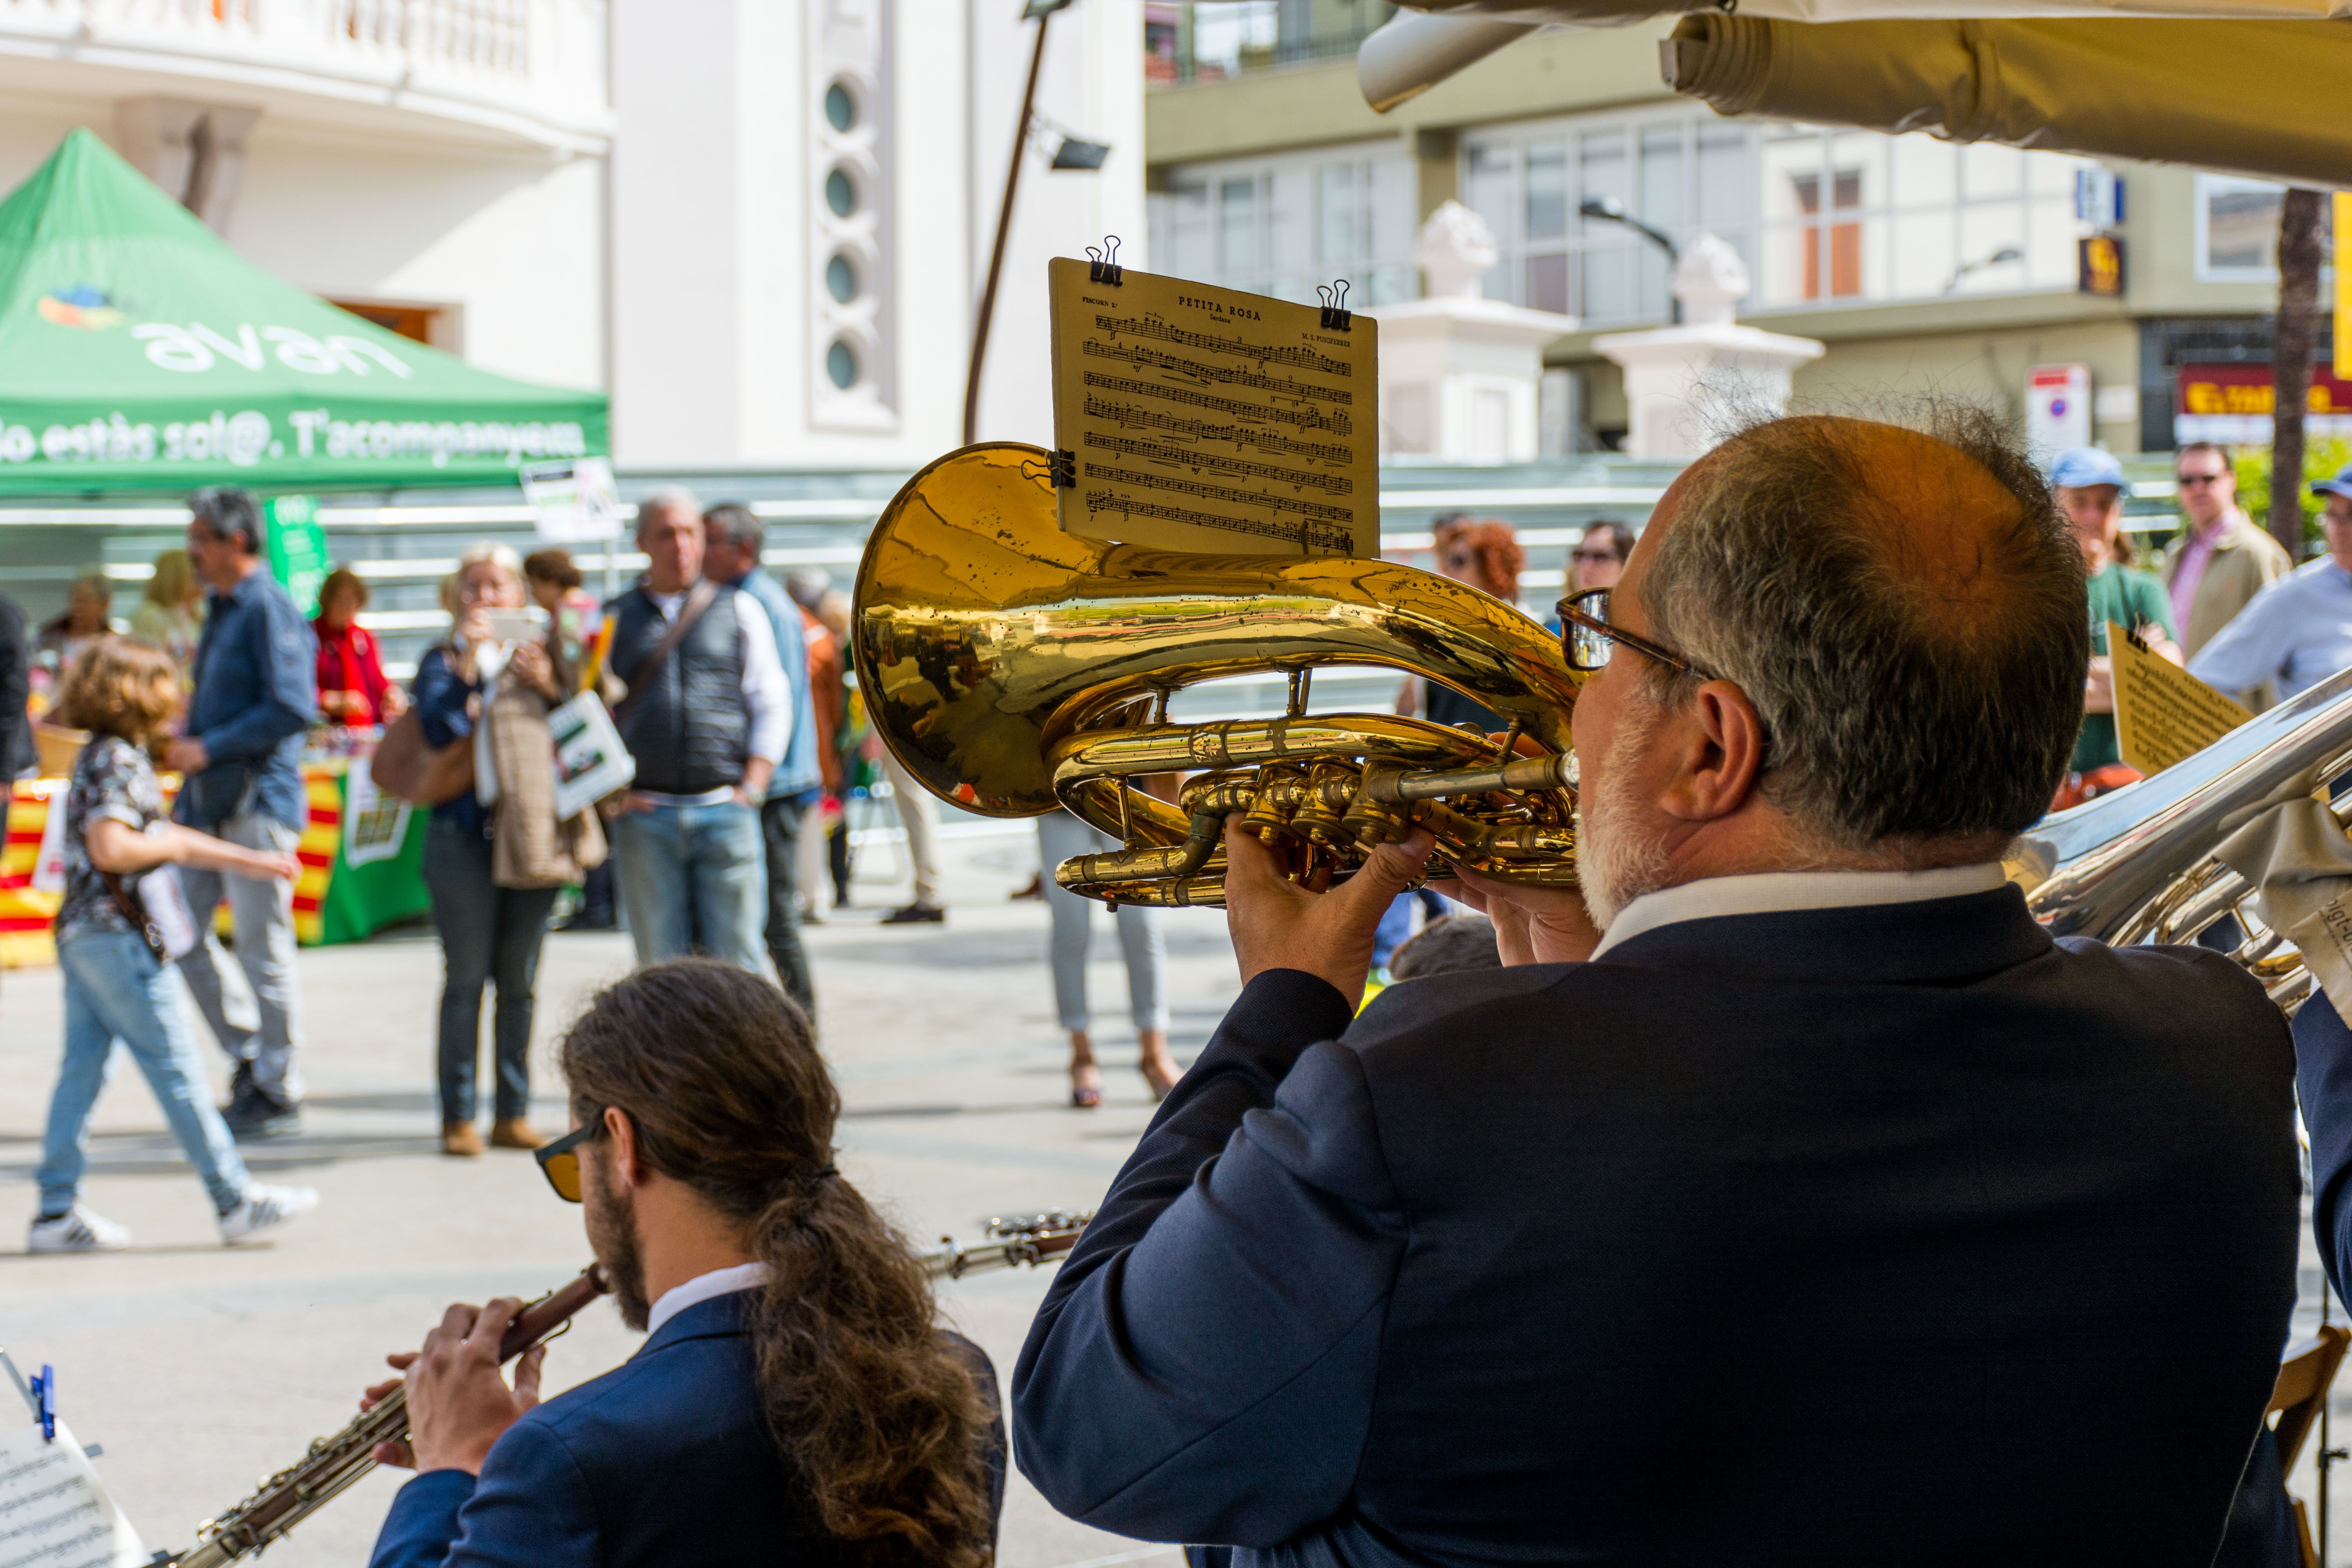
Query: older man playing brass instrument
(1790, 1198)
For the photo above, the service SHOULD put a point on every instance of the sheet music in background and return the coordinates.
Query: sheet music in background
(54, 1511)
(2163, 714)
(1212, 421)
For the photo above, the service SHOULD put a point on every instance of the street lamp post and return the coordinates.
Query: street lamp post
(1609, 209)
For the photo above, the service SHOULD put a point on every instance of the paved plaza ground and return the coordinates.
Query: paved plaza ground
(200, 1369)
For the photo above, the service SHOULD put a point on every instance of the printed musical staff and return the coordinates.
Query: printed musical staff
(1221, 376)
(1135, 417)
(1323, 535)
(1298, 358)
(1241, 468)
(1200, 489)
(1305, 418)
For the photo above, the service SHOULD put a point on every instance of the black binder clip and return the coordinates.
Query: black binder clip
(1102, 266)
(1336, 314)
(1062, 469)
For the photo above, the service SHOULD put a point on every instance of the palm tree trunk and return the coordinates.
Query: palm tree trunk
(2298, 310)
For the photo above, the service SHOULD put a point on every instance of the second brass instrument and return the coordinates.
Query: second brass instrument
(1014, 668)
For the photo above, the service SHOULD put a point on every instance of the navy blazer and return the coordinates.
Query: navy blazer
(1857, 1236)
(667, 1459)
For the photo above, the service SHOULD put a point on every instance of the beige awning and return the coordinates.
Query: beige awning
(2256, 97)
(1432, 39)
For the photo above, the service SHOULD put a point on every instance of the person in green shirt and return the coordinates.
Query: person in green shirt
(2089, 486)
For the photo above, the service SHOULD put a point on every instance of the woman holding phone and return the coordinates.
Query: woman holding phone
(489, 934)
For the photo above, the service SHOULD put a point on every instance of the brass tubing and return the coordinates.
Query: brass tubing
(1395, 786)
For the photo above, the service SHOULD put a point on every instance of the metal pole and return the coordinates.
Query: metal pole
(1004, 229)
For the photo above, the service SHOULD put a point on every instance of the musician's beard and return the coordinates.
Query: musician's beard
(1614, 865)
(611, 1225)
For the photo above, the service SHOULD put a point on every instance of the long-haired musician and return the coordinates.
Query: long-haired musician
(795, 1400)
(1790, 1197)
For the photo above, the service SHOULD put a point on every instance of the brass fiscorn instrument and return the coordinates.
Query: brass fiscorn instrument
(1013, 668)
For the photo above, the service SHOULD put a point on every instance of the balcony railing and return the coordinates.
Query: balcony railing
(535, 68)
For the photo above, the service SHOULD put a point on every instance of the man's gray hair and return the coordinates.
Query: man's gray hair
(1909, 691)
(738, 526)
(661, 498)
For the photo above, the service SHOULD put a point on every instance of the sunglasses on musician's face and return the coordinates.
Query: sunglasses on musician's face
(1588, 639)
(560, 1161)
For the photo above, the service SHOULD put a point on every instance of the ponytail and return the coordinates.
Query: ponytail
(880, 1420)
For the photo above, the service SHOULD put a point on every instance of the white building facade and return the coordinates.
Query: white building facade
(806, 198)
(761, 224)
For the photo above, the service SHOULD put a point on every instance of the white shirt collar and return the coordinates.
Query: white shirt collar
(702, 1288)
(1770, 892)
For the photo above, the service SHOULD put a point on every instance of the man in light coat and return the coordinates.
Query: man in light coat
(2221, 560)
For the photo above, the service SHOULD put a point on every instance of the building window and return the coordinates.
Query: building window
(1679, 173)
(852, 288)
(1283, 228)
(1186, 42)
(1821, 217)
(2237, 229)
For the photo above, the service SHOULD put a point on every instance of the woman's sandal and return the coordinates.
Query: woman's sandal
(1159, 1086)
(1086, 1087)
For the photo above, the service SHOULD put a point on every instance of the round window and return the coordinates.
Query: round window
(841, 364)
(841, 193)
(840, 107)
(841, 280)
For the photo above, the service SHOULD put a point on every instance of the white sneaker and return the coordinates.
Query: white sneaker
(266, 1208)
(77, 1230)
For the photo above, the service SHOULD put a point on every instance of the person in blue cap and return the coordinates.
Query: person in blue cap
(2298, 631)
(2088, 485)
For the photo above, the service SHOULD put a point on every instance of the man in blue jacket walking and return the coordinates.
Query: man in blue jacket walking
(255, 692)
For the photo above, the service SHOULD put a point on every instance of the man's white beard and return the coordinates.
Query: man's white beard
(1614, 865)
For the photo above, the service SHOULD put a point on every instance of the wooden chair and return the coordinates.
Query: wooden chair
(2296, 1400)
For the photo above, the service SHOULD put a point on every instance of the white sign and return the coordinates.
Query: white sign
(590, 761)
(2057, 409)
(374, 824)
(54, 1511)
(49, 860)
(575, 499)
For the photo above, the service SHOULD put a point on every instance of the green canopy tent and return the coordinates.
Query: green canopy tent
(138, 351)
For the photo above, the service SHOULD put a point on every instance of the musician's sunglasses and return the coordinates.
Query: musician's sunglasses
(560, 1161)
(1587, 637)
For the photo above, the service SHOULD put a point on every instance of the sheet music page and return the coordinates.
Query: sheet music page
(2163, 714)
(1209, 420)
(54, 1511)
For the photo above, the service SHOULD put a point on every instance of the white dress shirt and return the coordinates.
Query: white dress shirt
(1771, 892)
(702, 1288)
(767, 695)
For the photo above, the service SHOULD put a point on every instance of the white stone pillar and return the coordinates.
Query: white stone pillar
(1459, 374)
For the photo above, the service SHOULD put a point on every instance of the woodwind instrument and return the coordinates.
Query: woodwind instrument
(335, 1463)
(1031, 1239)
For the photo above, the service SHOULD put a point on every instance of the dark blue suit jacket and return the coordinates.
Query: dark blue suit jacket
(1864, 1236)
(665, 1460)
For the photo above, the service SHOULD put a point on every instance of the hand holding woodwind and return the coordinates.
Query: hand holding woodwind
(458, 1405)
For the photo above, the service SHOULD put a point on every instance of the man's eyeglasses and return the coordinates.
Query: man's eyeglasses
(2197, 479)
(1596, 556)
(560, 1161)
(1587, 637)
